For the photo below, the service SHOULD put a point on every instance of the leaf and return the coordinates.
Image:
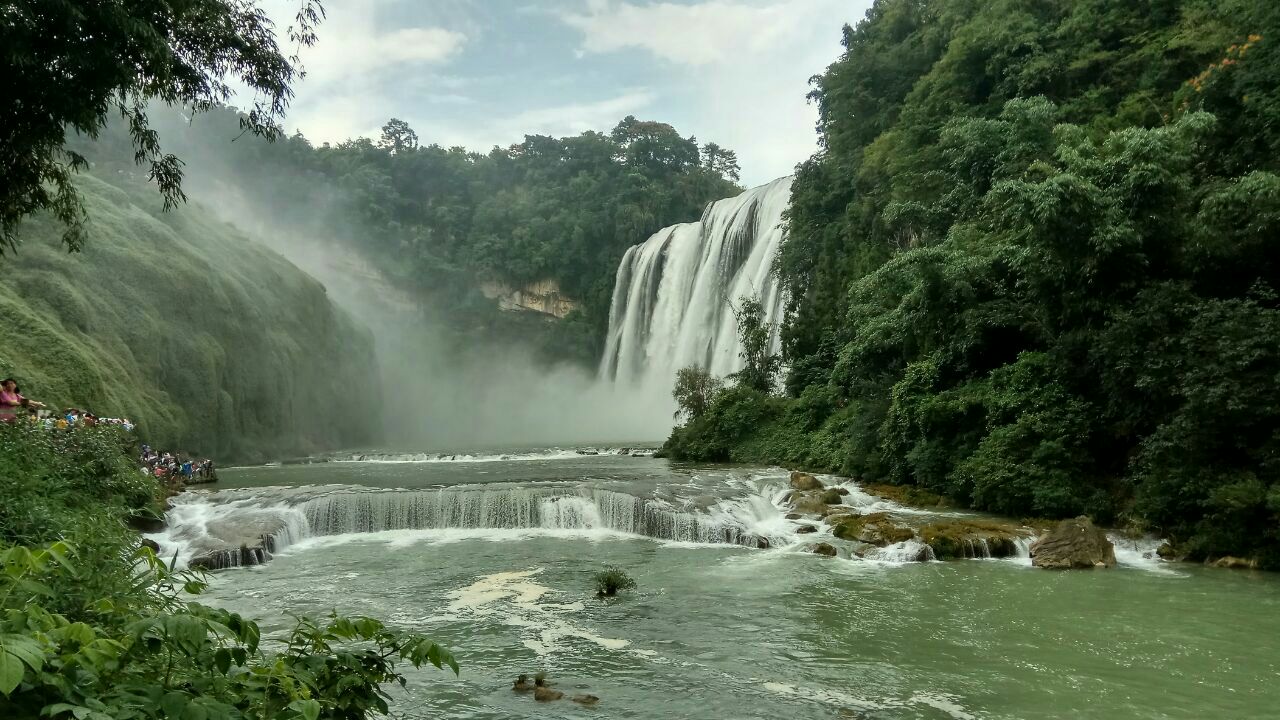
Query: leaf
(309, 709)
(11, 672)
(222, 660)
(173, 704)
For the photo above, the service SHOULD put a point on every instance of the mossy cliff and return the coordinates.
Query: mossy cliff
(211, 342)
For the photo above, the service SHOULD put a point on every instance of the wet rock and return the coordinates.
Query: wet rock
(522, 684)
(149, 543)
(960, 539)
(874, 529)
(762, 542)
(1166, 551)
(907, 495)
(832, 496)
(1235, 563)
(793, 516)
(842, 491)
(806, 529)
(588, 700)
(838, 510)
(542, 693)
(826, 549)
(808, 502)
(146, 522)
(805, 481)
(1074, 543)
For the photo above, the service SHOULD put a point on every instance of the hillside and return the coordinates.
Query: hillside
(212, 343)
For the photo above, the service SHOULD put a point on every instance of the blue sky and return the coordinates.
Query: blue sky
(480, 73)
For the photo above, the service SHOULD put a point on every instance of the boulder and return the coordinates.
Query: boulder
(808, 502)
(806, 529)
(542, 693)
(1166, 551)
(1235, 563)
(1074, 543)
(805, 481)
(832, 496)
(522, 684)
(874, 529)
(588, 700)
(762, 542)
(960, 539)
(825, 549)
(146, 521)
(838, 510)
(842, 491)
(149, 543)
(793, 516)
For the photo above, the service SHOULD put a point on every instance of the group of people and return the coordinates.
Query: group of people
(13, 405)
(166, 466)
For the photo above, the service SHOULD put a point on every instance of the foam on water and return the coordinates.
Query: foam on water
(527, 456)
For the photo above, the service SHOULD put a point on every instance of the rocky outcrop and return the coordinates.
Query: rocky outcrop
(806, 529)
(1235, 563)
(874, 529)
(833, 496)
(824, 549)
(972, 539)
(805, 481)
(584, 699)
(543, 297)
(1074, 543)
(542, 693)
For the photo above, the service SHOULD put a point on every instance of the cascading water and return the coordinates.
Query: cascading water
(671, 299)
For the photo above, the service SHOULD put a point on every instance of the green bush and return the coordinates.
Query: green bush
(611, 580)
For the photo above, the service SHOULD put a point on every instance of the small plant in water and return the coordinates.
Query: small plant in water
(610, 580)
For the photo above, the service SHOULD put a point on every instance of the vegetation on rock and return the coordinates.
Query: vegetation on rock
(611, 580)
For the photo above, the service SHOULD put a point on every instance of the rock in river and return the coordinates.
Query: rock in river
(805, 481)
(826, 549)
(972, 539)
(874, 529)
(1074, 543)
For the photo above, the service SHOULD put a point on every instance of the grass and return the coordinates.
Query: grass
(212, 343)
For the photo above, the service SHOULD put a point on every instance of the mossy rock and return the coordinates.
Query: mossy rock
(874, 529)
(832, 496)
(956, 539)
(808, 501)
(908, 495)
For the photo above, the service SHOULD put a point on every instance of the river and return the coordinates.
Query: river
(493, 555)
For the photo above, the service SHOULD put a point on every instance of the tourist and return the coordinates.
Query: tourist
(11, 399)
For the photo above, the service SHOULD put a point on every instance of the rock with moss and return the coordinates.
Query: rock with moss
(832, 496)
(824, 549)
(874, 529)
(1075, 543)
(959, 539)
(908, 495)
(805, 481)
(1167, 551)
(1235, 563)
(809, 502)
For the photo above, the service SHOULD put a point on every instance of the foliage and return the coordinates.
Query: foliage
(207, 340)
(70, 66)
(93, 628)
(694, 390)
(760, 363)
(612, 579)
(1031, 267)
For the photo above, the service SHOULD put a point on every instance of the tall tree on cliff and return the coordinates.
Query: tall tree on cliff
(71, 66)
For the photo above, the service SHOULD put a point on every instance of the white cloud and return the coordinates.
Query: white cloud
(747, 63)
(717, 31)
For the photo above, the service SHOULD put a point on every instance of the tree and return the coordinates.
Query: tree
(722, 162)
(694, 391)
(70, 66)
(398, 137)
(761, 364)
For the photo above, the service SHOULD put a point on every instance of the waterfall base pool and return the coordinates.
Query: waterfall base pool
(721, 630)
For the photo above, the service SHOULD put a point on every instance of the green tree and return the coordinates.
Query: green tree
(760, 363)
(721, 162)
(398, 137)
(694, 390)
(71, 66)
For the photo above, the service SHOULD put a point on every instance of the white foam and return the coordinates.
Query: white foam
(1140, 554)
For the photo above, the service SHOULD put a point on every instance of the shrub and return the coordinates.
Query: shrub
(612, 579)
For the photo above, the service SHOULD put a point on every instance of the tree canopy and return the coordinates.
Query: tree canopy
(69, 67)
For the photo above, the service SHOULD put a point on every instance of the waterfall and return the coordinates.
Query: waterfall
(672, 294)
(233, 528)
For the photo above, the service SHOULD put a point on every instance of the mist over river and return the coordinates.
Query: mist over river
(493, 553)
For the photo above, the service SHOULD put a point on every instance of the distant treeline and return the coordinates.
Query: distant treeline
(439, 220)
(1034, 267)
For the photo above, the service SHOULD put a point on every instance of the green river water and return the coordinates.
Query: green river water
(718, 630)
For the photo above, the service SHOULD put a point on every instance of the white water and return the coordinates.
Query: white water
(671, 300)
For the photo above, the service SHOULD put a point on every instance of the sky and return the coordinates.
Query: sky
(479, 73)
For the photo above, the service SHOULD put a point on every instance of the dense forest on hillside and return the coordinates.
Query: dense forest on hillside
(1032, 267)
(212, 343)
(440, 221)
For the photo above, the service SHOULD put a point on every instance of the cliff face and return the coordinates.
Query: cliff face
(543, 296)
(208, 340)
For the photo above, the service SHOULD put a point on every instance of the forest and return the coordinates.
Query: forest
(1032, 268)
